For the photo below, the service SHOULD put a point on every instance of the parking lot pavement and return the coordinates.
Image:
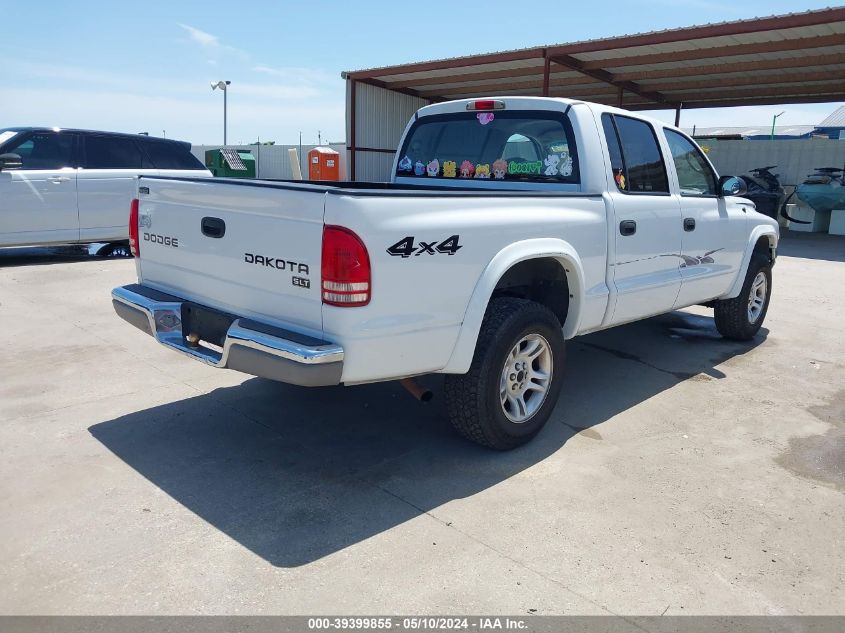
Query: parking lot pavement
(680, 473)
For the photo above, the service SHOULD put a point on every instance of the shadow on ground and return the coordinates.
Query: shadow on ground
(61, 254)
(812, 245)
(295, 474)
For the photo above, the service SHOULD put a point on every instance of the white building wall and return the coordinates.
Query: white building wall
(273, 160)
(794, 159)
(381, 116)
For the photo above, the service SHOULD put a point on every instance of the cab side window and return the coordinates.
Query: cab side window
(45, 150)
(635, 156)
(695, 176)
(113, 152)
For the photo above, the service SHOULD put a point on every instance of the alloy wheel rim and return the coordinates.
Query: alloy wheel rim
(526, 377)
(757, 297)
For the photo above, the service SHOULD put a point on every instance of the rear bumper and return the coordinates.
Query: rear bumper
(249, 346)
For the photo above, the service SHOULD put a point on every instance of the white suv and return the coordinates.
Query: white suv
(60, 186)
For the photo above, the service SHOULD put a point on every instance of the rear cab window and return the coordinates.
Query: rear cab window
(635, 157)
(509, 146)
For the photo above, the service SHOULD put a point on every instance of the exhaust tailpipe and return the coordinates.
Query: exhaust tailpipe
(415, 389)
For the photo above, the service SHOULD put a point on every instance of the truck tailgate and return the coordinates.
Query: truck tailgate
(248, 250)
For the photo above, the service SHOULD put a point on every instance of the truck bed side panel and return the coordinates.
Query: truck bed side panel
(419, 299)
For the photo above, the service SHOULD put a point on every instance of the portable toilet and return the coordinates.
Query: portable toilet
(228, 162)
(323, 164)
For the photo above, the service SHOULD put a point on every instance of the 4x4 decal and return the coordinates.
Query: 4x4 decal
(406, 247)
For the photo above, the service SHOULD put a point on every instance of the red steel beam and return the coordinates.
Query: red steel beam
(457, 62)
(529, 85)
(546, 72)
(531, 71)
(606, 77)
(352, 125)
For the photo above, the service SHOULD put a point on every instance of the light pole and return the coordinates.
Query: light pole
(774, 120)
(224, 86)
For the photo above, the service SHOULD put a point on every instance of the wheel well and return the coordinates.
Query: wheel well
(765, 247)
(542, 280)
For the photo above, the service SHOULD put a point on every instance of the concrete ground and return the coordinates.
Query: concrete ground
(680, 473)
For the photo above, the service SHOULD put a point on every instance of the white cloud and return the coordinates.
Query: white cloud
(297, 73)
(211, 44)
(187, 117)
(201, 37)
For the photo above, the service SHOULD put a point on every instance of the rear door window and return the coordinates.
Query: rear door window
(171, 155)
(44, 150)
(531, 146)
(113, 152)
(635, 157)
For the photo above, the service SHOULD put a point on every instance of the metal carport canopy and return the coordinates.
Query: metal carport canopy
(794, 58)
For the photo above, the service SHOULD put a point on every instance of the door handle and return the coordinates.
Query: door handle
(627, 227)
(689, 224)
(58, 179)
(213, 227)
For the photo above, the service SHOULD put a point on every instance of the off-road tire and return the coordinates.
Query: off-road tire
(473, 399)
(731, 315)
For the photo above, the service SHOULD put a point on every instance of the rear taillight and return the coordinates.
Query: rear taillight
(345, 268)
(134, 244)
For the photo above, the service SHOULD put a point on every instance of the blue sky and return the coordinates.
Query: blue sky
(146, 66)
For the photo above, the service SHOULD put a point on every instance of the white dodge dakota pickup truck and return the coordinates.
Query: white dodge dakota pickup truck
(510, 225)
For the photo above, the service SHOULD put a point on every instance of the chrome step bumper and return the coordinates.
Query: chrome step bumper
(249, 346)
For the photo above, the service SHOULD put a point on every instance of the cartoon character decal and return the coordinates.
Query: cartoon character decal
(433, 168)
(406, 164)
(516, 167)
(620, 179)
(419, 168)
(500, 168)
(467, 169)
(552, 161)
(566, 166)
(485, 117)
(482, 171)
(450, 169)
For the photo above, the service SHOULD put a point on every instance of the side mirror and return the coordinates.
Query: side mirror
(732, 186)
(10, 161)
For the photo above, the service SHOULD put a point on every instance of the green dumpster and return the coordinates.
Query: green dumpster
(227, 162)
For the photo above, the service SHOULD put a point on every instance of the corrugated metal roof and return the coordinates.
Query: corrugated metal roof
(793, 58)
(837, 119)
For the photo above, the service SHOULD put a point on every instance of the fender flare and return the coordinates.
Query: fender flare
(756, 234)
(512, 254)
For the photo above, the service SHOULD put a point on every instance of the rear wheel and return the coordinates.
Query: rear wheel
(515, 377)
(115, 249)
(740, 318)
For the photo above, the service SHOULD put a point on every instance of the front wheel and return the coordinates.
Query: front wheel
(515, 377)
(740, 318)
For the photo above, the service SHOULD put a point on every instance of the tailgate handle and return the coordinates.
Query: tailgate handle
(213, 227)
